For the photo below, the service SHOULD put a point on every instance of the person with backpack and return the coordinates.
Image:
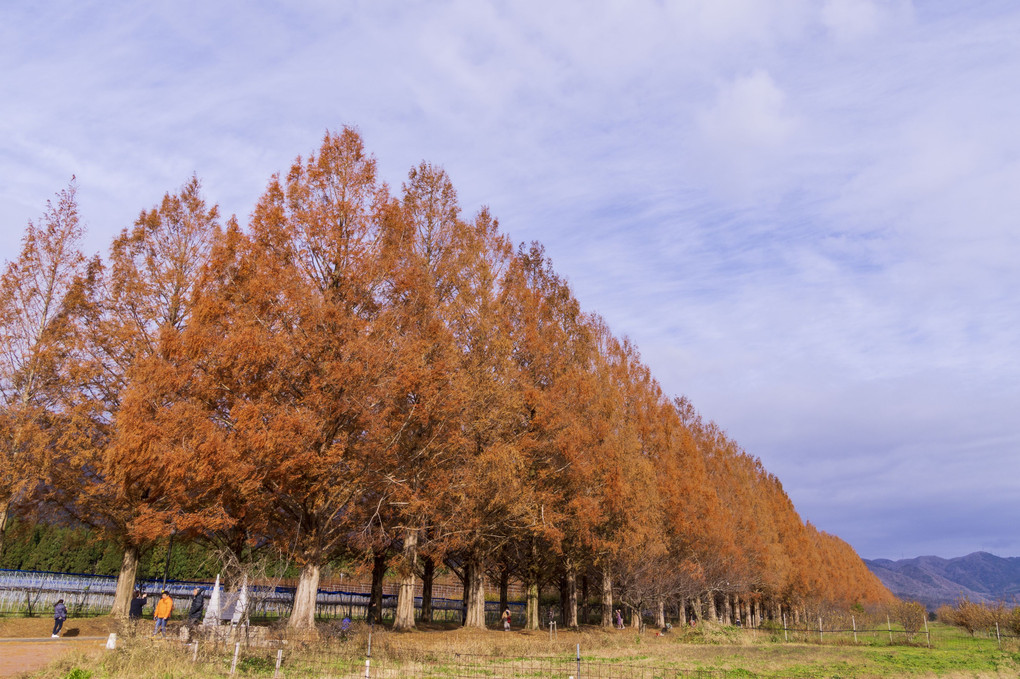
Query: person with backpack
(59, 616)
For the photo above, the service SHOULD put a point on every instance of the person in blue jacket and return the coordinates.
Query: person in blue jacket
(59, 616)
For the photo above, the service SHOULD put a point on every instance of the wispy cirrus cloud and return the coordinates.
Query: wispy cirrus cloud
(803, 212)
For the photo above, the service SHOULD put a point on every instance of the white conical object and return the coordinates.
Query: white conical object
(241, 605)
(212, 611)
(111, 641)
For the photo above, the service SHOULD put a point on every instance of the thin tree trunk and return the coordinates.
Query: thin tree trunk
(712, 614)
(683, 611)
(428, 577)
(727, 611)
(660, 613)
(302, 616)
(571, 618)
(563, 597)
(504, 589)
(699, 611)
(585, 594)
(125, 583)
(607, 598)
(404, 619)
(475, 594)
(635, 617)
(376, 598)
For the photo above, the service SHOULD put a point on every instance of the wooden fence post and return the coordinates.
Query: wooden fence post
(820, 641)
(279, 660)
(926, 632)
(889, 625)
(997, 637)
(786, 635)
(853, 620)
(233, 665)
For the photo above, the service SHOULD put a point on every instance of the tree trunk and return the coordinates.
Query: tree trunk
(5, 512)
(699, 611)
(607, 598)
(376, 599)
(563, 597)
(531, 574)
(531, 611)
(475, 595)
(683, 611)
(585, 593)
(125, 583)
(428, 577)
(302, 616)
(727, 611)
(404, 619)
(635, 617)
(660, 613)
(571, 617)
(504, 589)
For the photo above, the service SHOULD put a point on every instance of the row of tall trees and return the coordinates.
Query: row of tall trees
(369, 372)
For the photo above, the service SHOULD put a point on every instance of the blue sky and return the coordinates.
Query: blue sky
(805, 214)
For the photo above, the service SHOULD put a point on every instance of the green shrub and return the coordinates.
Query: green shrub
(78, 673)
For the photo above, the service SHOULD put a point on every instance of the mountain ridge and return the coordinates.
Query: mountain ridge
(934, 580)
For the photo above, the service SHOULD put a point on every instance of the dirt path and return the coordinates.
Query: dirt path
(25, 655)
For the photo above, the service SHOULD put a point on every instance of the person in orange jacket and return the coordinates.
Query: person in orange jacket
(164, 607)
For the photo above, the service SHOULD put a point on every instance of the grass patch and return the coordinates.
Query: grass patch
(735, 654)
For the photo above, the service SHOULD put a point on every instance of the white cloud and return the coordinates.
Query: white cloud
(804, 214)
(746, 131)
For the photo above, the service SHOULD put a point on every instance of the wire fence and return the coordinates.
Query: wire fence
(35, 592)
(217, 659)
(937, 637)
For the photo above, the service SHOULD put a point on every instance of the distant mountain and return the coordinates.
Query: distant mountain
(935, 581)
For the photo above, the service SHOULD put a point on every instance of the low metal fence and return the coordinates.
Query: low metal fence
(35, 593)
(338, 663)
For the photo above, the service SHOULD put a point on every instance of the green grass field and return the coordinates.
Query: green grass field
(722, 653)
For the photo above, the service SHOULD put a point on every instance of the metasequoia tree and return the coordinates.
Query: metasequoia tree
(358, 374)
(487, 489)
(34, 345)
(299, 343)
(130, 314)
(431, 255)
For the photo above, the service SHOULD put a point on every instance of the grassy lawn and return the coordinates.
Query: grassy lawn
(431, 652)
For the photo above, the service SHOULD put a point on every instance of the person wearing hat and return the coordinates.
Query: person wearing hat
(164, 607)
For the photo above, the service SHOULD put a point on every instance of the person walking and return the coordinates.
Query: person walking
(164, 607)
(59, 616)
(506, 619)
(197, 605)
